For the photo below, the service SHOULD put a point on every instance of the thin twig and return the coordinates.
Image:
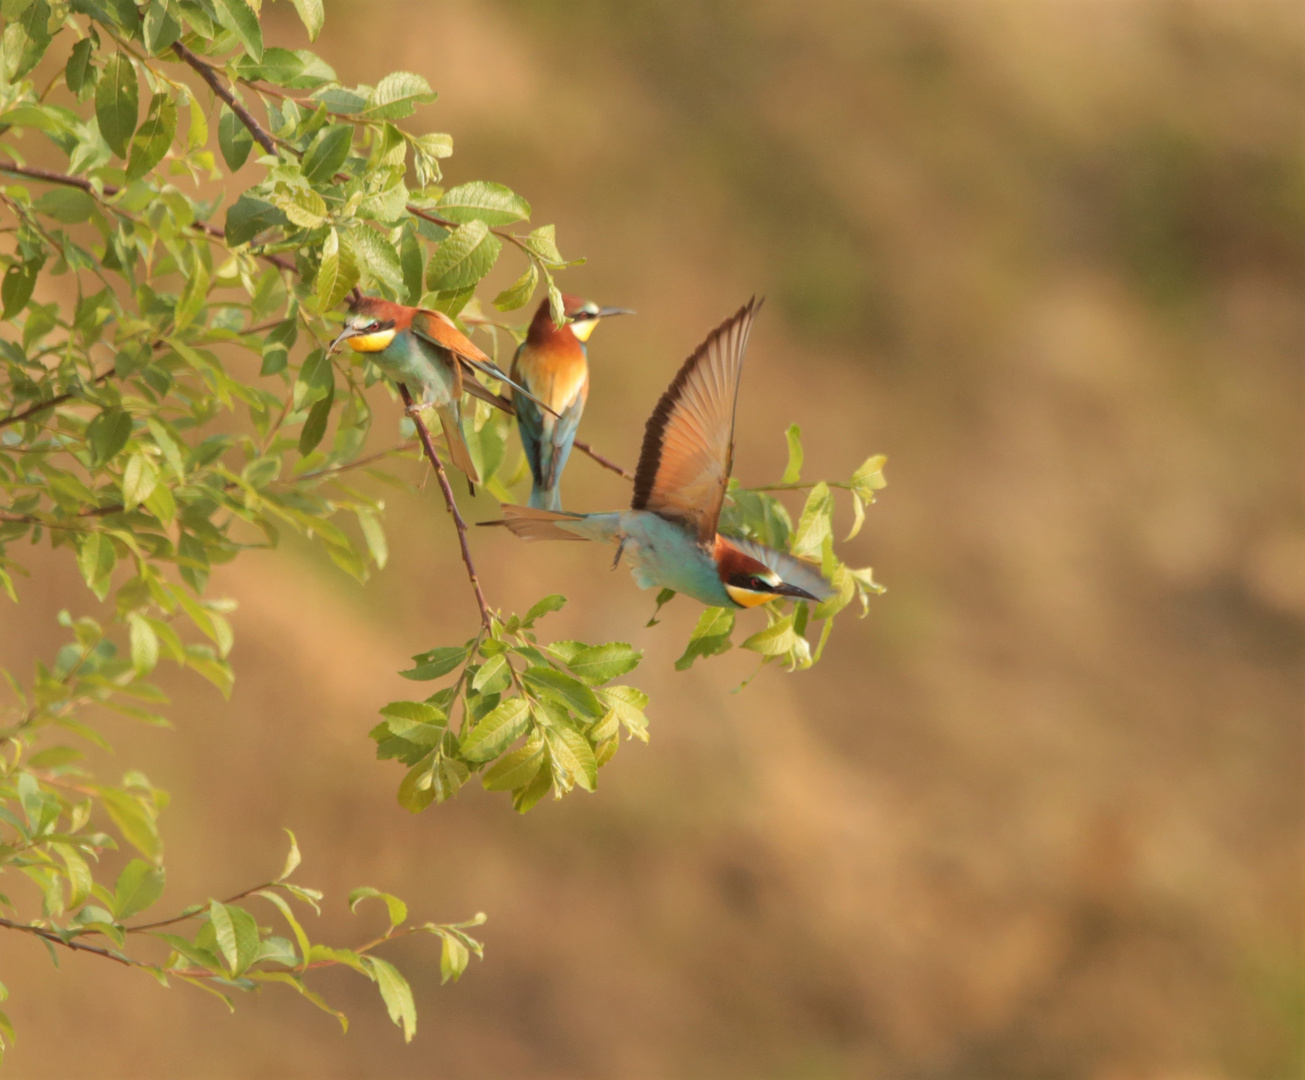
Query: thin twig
(72, 943)
(209, 74)
(486, 620)
(585, 448)
(110, 190)
(48, 403)
(197, 912)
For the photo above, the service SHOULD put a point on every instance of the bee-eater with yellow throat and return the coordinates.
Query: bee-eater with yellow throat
(684, 468)
(552, 364)
(427, 352)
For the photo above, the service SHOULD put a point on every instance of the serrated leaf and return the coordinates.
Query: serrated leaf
(816, 523)
(398, 95)
(565, 690)
(516, 769)
(117, 103)
(302, 205)
(518, 294)
(134, 822)
(454, 957)
(571, 751)
(869, 478)
(483, 200)
(464, 257)
(312, 15)
(709, 638)
(778, 639)
(248, 216)
(498, 730)
(375, 255)
(292, 859)
(601, 663)
(336, 274)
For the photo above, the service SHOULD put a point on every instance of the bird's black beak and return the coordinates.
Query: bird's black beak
(785, 589)
(345, 334)
(608, 312)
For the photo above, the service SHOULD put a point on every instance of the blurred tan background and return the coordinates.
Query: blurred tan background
(1039, 815)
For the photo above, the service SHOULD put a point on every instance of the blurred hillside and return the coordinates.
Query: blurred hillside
(1038, 817)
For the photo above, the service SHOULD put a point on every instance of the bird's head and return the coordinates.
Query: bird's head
(749, 581)
(584, 315)
(372, 323)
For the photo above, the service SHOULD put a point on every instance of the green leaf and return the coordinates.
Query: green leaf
(463, 258)
(518, 294)
(627, 703)
(80, 71)
(517, 769)
(236, 933)
(396, 994)
(327, 153)
(159, 27)
(95, 560)
(555, 602)
(599, 663)
(397, 909)
(437, 662)
(154, 137)
(19, 281)
(498, 730)
(302, 205)
(144, 644)
(32, 29)
(315, 426)
(134, 821)
(565, 690)
(454, 956)
(374, 534)
(816, 523)
(869, 478)
(398, 95)
(139, 886)
(571, 751)
(793, 471)
(234, 139)
(292, 859)
(664, 597)
(247, 217)
(239, 17)
(117, 103)
(336, 275)
(79, 874)
(481, 200)
(375, 255)
(779, 639)
(312, 15)
(709, 638)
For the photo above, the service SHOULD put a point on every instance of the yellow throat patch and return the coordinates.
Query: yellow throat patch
(368, 343)
(747, 597)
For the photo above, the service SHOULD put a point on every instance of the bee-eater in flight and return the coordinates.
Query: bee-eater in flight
(427, 352)
(669, 531)
(552, 364)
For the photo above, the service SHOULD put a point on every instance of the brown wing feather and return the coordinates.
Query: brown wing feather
(688, 445)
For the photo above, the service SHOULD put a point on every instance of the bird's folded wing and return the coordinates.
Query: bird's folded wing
(439, 329)
(688, 444)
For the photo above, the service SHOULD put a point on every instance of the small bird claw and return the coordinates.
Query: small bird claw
(414, 409)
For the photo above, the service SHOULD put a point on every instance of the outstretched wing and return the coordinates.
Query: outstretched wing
(688, 445)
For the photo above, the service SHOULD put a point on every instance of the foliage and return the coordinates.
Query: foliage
(170, 401)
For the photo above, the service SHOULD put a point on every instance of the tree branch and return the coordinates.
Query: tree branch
(109, 189)
(77, 946)
(486, 620)
(198, 911)
(48, 403)
(209, 74)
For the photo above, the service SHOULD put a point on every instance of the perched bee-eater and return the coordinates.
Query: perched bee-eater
(427, 352)
(552, 364)
(679, 488)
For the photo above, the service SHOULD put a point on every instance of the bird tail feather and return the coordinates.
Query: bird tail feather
(533, 523)
(451, 419)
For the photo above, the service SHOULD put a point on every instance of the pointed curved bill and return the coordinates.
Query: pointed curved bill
(688, 445)
(439, 329)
